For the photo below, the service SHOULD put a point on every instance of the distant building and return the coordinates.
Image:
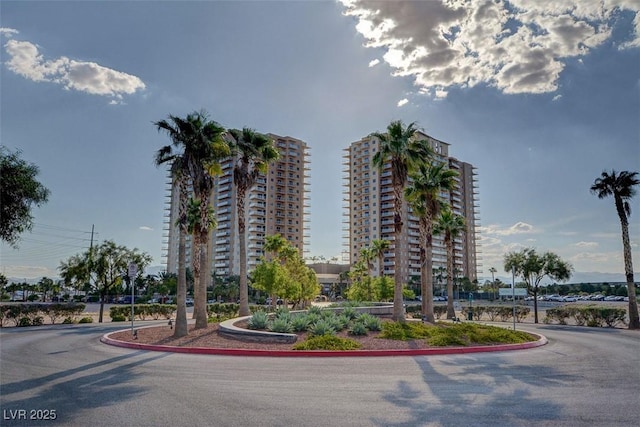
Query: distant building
(369, 204)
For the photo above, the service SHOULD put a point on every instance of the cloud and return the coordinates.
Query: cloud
(516, 46)
(374, 63)
(517, 228)
(145, 228)
(26, 60)
(403, 102)
(586, 244)
(8, 32)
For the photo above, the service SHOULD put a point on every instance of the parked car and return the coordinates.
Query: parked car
(569, 299)
(189, 302)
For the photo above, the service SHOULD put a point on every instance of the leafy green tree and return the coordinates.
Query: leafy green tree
(402, 152)
(622, 186)
(253, 152)
(19, 192)
(46, 286)
(378, 248)
(451, 226)
(534, 267)
(423, 195)
(107, 265)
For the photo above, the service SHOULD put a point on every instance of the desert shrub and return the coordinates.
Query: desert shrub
(439, 311)
(259, 320)
(281, 325)
(322, 327)
(37, 321)
(350, 313)
(522, 313)
(114, 318)
(314, 309)
(358, 328)
(300, 323)
(370, 321)
(24, 321)
(86, 320)
(404, 331)
(327, 342)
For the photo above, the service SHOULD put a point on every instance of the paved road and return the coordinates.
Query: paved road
(583, 377)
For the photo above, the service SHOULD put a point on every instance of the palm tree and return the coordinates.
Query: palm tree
(423, 194)
(203, 147)
(622, 187)
(378, 247)
(493, 270)
(451, 226)
(402, 152)
(254, 152)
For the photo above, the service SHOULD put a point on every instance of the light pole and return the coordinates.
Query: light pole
(133, 271)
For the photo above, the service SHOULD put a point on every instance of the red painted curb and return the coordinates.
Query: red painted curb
(542, 340)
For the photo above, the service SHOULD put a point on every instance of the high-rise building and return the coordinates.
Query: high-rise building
(277, 204)
(369, 212)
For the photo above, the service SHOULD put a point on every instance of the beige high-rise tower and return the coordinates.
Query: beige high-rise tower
(369, 203)
(277, 204)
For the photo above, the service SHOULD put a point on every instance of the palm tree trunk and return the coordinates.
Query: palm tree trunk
(242, 236)
(634, 318)
(200, 298)
(181, 291)
(398, 309)
(426, 275)
(451, 313)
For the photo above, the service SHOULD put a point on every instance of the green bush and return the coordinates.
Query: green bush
(300, 323)
(86, 320)
(350, 313)
(118, 318)
(280, 325)
(69, 320)
(259, 320)
(370, 321)
(322, 327)
(358, 328)
(327, 342)
(24, 321)
(37, 321)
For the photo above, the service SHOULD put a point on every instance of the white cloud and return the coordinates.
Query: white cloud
(145, 228)
(26, 60)
(374, 63)
(517, 46)
(403, 102)
(586, 244)
(557, 97)
(517, 228)
(8, 32)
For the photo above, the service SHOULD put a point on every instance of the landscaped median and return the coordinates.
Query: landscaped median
(235, 337)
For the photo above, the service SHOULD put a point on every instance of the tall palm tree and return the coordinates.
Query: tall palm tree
(399, 149)
(253, 152)
(423, 195)
(203, 147)
(622, 187)
(493, 270)
(451, 226)
(378, 247)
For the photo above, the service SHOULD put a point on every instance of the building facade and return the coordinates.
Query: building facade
(369, 212)
(277, 204)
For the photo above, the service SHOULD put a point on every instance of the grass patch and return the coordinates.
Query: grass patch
(446, 334)
(327, 342)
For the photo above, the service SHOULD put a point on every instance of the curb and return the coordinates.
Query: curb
(542, 340)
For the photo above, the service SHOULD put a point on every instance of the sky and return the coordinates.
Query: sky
(540, 97)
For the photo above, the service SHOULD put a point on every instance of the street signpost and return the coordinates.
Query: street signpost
(132, 272)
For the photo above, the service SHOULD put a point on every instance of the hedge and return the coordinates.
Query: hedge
(32, 314)
(590, 315)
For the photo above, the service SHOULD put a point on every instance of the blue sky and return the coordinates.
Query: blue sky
(539, 96)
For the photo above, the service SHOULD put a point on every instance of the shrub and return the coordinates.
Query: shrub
(24, 321)
(86, 320)
(114, 318)
(322, 327)
(358, 328)
(404, 331)
(314, 309)
(69, 320)
(280, 325)
(300, 323)
(327, 342)
(350, 313)
(370, 321)
(37, 321)
(259, 320)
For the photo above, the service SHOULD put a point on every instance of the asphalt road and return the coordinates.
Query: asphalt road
(583, 377)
